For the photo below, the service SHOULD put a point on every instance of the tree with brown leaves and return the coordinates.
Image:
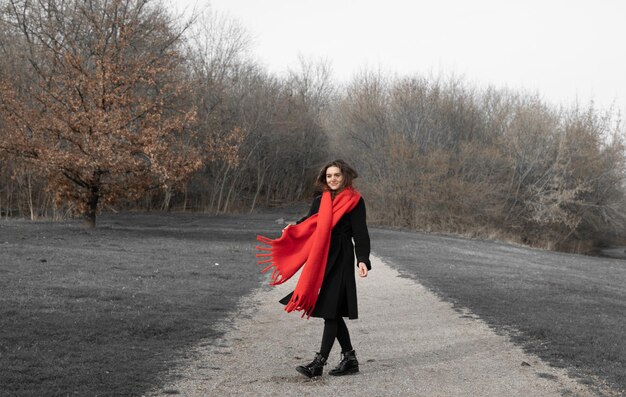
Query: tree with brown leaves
(101, 106)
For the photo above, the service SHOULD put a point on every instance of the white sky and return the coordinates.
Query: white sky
(567, 51)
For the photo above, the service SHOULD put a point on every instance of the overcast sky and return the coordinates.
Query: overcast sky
(567, 51)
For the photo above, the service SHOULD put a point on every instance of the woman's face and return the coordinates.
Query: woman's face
(334, 178)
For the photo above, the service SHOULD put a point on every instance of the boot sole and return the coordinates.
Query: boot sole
(351, 371)
(306, 373)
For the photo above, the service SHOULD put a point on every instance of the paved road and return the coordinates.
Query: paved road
(408, 341)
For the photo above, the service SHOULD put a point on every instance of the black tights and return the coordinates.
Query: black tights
(335, 328)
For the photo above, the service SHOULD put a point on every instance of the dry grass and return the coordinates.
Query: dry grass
(106, 312)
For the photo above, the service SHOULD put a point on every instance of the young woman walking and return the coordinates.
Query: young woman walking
(321, 243)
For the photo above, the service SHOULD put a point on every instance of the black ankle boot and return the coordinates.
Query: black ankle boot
(347, 365)
(314, 368)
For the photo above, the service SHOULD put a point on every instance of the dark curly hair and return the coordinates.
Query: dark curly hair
(349, 174)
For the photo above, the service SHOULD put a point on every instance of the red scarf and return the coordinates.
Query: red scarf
(306, 243)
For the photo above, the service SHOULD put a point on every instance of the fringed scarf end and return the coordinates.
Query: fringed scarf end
(297, 304)
(264, 240)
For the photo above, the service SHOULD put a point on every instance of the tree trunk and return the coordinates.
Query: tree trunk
(214, 190)
(167, 199)
(221, 191)
(92, 207)
(259, 186)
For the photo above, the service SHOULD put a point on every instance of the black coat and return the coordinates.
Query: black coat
(337, 295)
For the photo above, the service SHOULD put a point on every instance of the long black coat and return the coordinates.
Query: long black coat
(337, 295)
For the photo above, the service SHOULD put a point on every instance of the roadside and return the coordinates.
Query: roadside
(409, 343)
(568, 309)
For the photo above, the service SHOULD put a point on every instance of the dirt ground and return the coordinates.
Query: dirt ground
(105, 311)
(568, 309)
(408, 341)
(111, 311)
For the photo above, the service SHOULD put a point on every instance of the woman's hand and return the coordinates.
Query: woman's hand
(362, 269)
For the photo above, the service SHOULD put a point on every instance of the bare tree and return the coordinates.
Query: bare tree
(437, 155)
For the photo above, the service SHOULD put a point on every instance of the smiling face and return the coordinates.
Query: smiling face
(334, 178)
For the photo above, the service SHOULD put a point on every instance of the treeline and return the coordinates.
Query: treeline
(442, 156)
(121, 105)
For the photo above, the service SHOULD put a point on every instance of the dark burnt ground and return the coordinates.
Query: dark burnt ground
(107, 311)
(568, 309)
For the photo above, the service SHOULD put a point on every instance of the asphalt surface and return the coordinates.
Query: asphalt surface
(408, 341)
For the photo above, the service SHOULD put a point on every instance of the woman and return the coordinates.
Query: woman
(321, 243)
